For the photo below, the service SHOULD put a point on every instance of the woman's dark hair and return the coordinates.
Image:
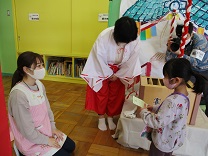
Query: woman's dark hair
(181, 67)
(125, 30)
(180, 27)
(25, 59)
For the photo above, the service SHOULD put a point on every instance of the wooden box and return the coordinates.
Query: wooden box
(152, 88)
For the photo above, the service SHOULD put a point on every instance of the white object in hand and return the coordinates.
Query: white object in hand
(138, 102)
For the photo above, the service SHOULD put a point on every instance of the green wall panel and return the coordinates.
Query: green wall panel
(113, 12)
(7, 40)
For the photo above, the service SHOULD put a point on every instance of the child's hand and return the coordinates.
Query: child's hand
(145, 105)
(53, 143)
(169, 43)
(57, 134)
(149, 108)
(139, 109)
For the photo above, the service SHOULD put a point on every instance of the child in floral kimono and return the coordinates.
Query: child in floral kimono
(168, 120)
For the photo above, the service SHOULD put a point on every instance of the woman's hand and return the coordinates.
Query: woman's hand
(113, 78)
(57, 134)
(178, 52)
(53, 143)
(169, 43)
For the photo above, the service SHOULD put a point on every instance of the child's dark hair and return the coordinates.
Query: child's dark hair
(181, 67)
(180, 27)
(125, 30)
(25, 59)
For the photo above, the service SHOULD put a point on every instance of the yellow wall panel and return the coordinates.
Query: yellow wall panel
(85, 24)
(52, 33)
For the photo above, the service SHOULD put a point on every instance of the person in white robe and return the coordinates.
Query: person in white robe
(113, 61)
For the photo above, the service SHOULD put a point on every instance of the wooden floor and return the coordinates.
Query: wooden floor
(67, 103)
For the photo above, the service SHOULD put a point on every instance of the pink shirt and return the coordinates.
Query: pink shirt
(40, 126)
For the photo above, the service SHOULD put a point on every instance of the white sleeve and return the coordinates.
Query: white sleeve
(132, 67)
(165, 115)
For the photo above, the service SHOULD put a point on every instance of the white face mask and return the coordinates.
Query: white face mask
(187, 41)
(167, 83)
(38, 74)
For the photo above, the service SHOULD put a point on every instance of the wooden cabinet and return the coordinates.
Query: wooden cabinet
(64, 33)
(65, 69)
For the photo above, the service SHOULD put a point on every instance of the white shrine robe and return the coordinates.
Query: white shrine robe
(103, 53)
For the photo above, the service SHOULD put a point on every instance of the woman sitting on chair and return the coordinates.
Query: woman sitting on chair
(30, 115)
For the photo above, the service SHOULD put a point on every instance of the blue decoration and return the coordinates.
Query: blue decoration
(151, 10)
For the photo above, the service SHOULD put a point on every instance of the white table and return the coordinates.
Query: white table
(196, 144)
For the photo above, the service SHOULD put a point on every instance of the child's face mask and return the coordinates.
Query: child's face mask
(38, 74)
(166, 82)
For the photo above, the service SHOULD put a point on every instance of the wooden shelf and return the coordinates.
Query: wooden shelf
(64, 68)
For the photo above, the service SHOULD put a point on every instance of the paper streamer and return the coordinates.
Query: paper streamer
(148, 33)
(154, 31)
(200, 30)
(143, 35)
(138, 24)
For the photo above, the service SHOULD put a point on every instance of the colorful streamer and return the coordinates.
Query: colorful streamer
(200, 30)
(148, 33)
(143, 35)
(154, 30)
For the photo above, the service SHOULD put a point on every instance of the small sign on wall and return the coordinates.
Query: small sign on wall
(103, 17)
(33, 16)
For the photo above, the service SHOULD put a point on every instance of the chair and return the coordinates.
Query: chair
(16, 150)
